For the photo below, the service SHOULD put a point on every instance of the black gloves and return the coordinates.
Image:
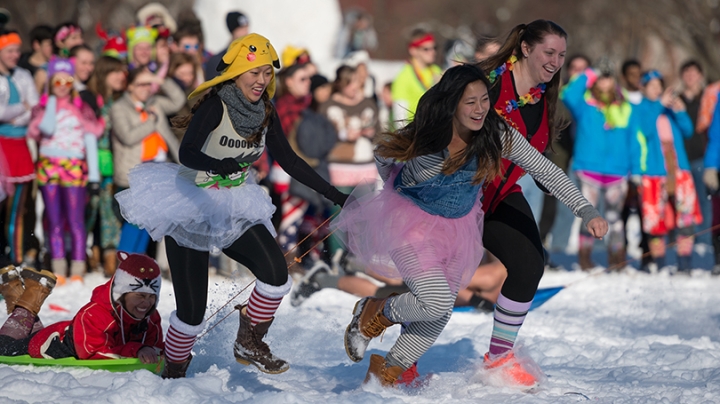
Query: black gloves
(226, 166)
(336, 196)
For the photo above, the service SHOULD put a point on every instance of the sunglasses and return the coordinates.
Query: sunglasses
(58, 82)
(142, 84)
(188, 47)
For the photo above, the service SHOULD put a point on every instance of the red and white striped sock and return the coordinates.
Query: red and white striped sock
(261, 308)
(180, 339)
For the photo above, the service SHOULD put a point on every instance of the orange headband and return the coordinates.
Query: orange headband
(422, 40)
(9, 39)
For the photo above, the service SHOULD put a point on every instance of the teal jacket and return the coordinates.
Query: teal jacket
(605, 140)
(650, 157)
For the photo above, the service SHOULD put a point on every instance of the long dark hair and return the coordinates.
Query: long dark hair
(104, 66)
(182, 121)
(432, 128)
(532, 34)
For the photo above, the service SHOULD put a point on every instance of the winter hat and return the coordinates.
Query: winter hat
(243, 54)
(136, 273)
(354, 59)
(136, 35)
(605, 67)
(60, 65)
(317, 81)
(115, 45)
(292, 55)
(649, 75)
(154, 14)
(236, 19)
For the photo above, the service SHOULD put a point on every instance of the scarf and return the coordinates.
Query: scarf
(246, 117)
(289, 108)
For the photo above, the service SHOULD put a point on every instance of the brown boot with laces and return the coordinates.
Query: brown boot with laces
(250, 349)
(176, 370)
(11, 286)
(386, 375)
(38, 285)
(367, 323)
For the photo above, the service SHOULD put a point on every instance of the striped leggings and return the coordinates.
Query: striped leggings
(425, 310)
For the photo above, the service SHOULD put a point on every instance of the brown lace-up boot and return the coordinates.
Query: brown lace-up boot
(385, 375)
(176, 370)
(11, 286)
(586, 263)
(367, 323)
(38, 285)
(250, 349)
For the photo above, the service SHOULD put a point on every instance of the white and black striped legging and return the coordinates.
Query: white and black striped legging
(425, 309)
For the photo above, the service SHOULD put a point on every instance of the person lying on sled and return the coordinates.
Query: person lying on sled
(120, 320)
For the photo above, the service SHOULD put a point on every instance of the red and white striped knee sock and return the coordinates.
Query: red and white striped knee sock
(180, 339)
(265, 299)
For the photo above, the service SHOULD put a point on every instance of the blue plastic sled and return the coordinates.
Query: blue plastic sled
(541, 296)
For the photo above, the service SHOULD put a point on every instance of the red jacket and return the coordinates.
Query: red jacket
(102, 329)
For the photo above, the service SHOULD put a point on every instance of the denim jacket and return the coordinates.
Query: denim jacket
(451, 196)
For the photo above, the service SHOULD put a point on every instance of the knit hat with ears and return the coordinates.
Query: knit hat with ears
(244, 54)
(136, 35)
(60, 65)
(136, 273)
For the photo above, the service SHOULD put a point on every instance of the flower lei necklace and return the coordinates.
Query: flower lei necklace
(531, 97)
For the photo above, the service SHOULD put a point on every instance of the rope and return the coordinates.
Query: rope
(295, 261)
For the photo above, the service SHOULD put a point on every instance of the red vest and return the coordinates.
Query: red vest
(497, 190)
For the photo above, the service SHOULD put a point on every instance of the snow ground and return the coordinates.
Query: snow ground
(615, 338)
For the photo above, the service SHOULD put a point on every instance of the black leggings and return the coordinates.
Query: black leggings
(511, 234)
(256, 249)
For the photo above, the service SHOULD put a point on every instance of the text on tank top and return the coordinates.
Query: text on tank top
(221, 143)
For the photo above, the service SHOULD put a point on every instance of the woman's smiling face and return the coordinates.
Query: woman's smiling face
(254, 82)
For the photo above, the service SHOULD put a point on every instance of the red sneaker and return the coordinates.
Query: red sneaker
(409, 376)
(512, 370)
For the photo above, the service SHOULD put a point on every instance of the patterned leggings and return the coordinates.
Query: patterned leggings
(425, 310)
(614, 195)
(65, 206)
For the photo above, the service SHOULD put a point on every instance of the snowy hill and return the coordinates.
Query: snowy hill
(614, 338)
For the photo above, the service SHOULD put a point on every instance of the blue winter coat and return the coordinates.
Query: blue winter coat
(712, 151)
(650, 157)
(600, 147)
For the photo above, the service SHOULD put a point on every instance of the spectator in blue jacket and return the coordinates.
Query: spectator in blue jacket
(602, 153)
(665, 184)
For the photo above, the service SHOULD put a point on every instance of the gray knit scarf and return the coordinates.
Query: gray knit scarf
(246, 117)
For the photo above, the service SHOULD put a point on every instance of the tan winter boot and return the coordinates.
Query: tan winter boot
(385, 375)
(60, 269)
(616, 259)
(176, 370)
(584, 259)
(367, 323)
(77, 271)
(93, 259)
(11, 286)
(38, 285)
(109, 262)
(250, 348)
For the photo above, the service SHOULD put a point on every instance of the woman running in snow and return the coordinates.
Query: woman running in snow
(426, 225)
(526, 83)
(666, 187)
(210, 202)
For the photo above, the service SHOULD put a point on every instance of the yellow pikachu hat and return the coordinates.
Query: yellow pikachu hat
(243, 54)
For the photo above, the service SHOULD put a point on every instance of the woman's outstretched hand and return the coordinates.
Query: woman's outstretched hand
(598, 227)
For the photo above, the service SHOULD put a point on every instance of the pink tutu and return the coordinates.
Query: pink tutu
(382, 223)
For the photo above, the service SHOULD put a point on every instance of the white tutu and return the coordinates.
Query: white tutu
(167, 204)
